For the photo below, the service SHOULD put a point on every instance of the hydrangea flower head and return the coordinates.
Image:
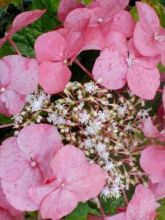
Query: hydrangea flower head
(149, 36)
(25, 162)
(19, 77)
(76, 180)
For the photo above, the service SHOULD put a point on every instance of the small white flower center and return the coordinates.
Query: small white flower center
(65, 61)
(100, 20)
(2, 89)
(159, 38)
(130, 61)
(33, 164)
(63, 185)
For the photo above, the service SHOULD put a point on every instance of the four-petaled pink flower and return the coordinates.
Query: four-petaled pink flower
(119, 63)
(54, 51)
(149, 37)
(76, 180)
(19, 77)
(25, 162)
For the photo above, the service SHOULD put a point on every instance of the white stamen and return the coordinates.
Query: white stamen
(130, 61)
(159, 38)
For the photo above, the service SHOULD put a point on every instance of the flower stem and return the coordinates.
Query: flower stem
(83, 68)
(6, 125)
(125, 197)
(160, 90)
(13, 44)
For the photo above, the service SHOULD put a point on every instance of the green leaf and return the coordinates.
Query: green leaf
(86, 2)
(6, 49)
(110, 205)
(161, 68)
(80, 213)
(17, 2)
(134, 13)
(51, 5)
(4, 119)
(161, 210)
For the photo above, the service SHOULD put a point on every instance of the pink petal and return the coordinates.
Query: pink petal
(75, 39)
(5, 75)
(144, 42)
(146, 62)
(14, 102)
(66, 6)
(163, 97)
(123, 23)
(39, 193)
(22, 20)
(110, 69)
(156, 169)
(40, 142)
(94, 39)
(158, 190)
(76, 16)
(58, 204)
(54, 76)
(3, 109)
(4, 204)
(148, 18)
(24, 74)
(143, 82)
(111, 6)
(50, 47)
(142, 205)
(12, 161)
(17, 192)
(70, 169)
(83, 179)
(5, 215)
(26, 18)
(91, 184)
(149, 129)
(120, 216)
(118, 41)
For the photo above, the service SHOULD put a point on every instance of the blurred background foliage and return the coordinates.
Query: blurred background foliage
(25, 41)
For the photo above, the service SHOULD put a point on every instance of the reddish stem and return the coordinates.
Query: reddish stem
(13, 44)
(6, 125)
(160, 90)
(83, 68)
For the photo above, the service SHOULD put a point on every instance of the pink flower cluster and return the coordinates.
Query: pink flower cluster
(37, 172)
